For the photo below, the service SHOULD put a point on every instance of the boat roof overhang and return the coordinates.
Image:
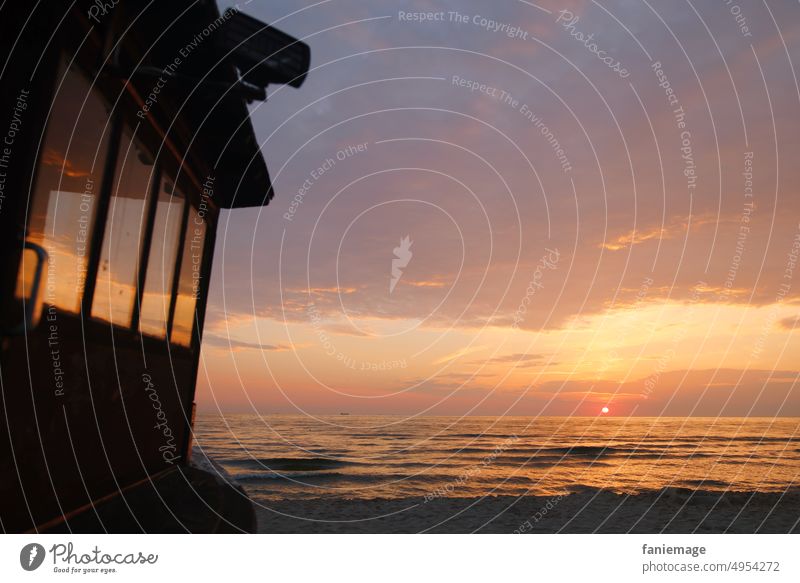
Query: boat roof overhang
(204, 74)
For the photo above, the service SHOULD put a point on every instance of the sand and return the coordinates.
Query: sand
(671, 510)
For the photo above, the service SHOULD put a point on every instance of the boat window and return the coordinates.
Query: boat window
(189, 285)
(67, 186)
(119, 259)
(161, 261)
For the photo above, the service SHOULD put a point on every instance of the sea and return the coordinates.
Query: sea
(286, 457)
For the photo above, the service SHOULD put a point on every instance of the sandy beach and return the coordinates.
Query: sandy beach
(670, 510)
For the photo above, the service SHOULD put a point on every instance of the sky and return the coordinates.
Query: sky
(519, 208)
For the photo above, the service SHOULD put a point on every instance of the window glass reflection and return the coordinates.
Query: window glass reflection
(119, 259)
(67, 185)
(161, 261)
(189, 285)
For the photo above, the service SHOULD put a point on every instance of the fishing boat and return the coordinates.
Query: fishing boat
(125, 131)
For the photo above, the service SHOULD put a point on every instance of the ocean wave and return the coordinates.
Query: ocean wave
(312, 478)
(290, 464)
(739, 438)
(698, 484)
(547, 449)
(543, 460)
(253, 476)
(582, 450)
(456, 449)
(473, 435)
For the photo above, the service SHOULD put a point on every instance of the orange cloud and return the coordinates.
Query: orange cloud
(423, 283)
(53, 158)
(791, 323)
(324, 290)
(677, 226)
(234, 345)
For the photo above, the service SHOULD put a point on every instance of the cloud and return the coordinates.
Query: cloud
(347, 329)
(458, 354)
(675, 227)
(320, 291)
(423, 283)
(519, 358)
(792, 323)
(54, 158)
(235, 345)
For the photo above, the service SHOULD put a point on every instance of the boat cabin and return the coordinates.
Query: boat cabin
(125, 130)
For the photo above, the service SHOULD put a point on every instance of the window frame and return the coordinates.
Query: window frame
(65, 64)
(118, 123)
(151, 205)
(176, 274)
(152, 212)
(201, 298)
(100, 229)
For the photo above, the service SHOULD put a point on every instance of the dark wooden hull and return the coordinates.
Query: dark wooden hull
(95, 418)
